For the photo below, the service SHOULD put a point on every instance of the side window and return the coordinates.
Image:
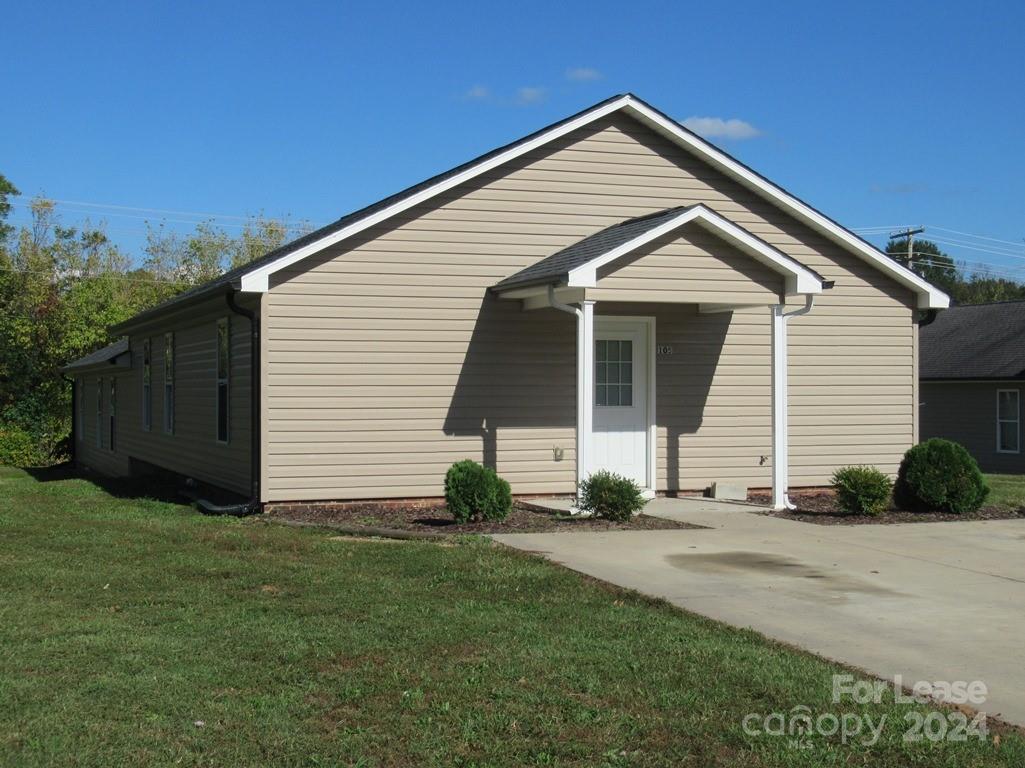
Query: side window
(223, 379)
(169, 383)
(99, 413)
(147, 385)
(1008, 421)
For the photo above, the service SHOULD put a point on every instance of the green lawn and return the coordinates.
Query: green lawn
(1006, 490)
(136, 632)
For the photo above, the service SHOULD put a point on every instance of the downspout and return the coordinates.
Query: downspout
(253, 506)
(559, 305)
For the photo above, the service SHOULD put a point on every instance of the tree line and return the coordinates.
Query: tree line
(62, 286)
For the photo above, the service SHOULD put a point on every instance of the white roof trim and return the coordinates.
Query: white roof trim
(799, 279)
(929, 297)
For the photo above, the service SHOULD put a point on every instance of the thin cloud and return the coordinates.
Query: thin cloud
(583, 74)
(530, 95)
(718, 128)
(477, 93)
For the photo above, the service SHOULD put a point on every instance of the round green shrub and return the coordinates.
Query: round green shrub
(940, 475)
(476, 492)
(862, 490)
(610, 496)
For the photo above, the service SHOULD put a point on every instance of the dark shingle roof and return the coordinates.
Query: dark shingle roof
(559, 264)
(979, 341)
(107, 354)
(232, 277)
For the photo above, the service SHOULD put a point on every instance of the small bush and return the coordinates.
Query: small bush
(610, 496)
(476, 492)
(939, 475)
(862, 490)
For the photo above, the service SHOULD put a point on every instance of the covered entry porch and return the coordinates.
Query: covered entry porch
(681, 256)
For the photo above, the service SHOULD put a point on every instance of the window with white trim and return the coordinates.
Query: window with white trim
(147, 384)
(613, 374)
(112, 415)
(1008, 421)
(223, 378)
(169, 383)
(99, 413)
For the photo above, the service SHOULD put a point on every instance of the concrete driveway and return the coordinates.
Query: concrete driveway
(928, 601)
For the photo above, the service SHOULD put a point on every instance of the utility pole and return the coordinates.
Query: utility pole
(909, 233)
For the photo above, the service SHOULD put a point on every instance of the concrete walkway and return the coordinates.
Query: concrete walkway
(928, 601)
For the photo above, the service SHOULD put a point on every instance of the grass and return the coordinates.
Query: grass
(137, 632)
(1006, 491)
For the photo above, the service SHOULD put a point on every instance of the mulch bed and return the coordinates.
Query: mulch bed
(820, 507)
(522, 519)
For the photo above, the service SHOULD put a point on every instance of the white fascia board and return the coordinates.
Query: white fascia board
(929, 297)
(257, 279)
(798, 278)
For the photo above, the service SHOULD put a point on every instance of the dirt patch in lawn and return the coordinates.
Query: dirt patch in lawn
(522, 519)
(820, 507)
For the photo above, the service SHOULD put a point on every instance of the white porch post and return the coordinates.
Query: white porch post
(780, 442)
(585, 387)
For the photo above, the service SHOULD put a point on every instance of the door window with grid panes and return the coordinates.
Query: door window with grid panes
(613, 372)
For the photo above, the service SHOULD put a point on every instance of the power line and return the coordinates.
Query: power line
(298, 225)
(980, 237)
(954, 244)
(199, 214)
(997, 249)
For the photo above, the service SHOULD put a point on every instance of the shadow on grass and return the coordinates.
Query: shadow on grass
(155, 486)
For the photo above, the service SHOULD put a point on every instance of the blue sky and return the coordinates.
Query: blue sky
(878, 114)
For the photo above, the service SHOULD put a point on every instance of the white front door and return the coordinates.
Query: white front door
(619, 441)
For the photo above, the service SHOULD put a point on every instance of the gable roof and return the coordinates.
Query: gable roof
(254, 276)
(577, 263)
(979, 341)
(107, 354)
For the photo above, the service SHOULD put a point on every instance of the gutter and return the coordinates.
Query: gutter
(253, 505)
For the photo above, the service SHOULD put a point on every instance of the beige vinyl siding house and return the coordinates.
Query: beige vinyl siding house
(189, 446)
(393, 342)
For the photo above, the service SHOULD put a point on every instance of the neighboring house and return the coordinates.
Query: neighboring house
(611, 291)
(973, 374)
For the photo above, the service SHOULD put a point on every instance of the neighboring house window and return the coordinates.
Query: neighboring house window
(613, 372)
(112, 415)
(99, 413)
(223, 378)
(147, 388)
(1008, 421)
(169, 383)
